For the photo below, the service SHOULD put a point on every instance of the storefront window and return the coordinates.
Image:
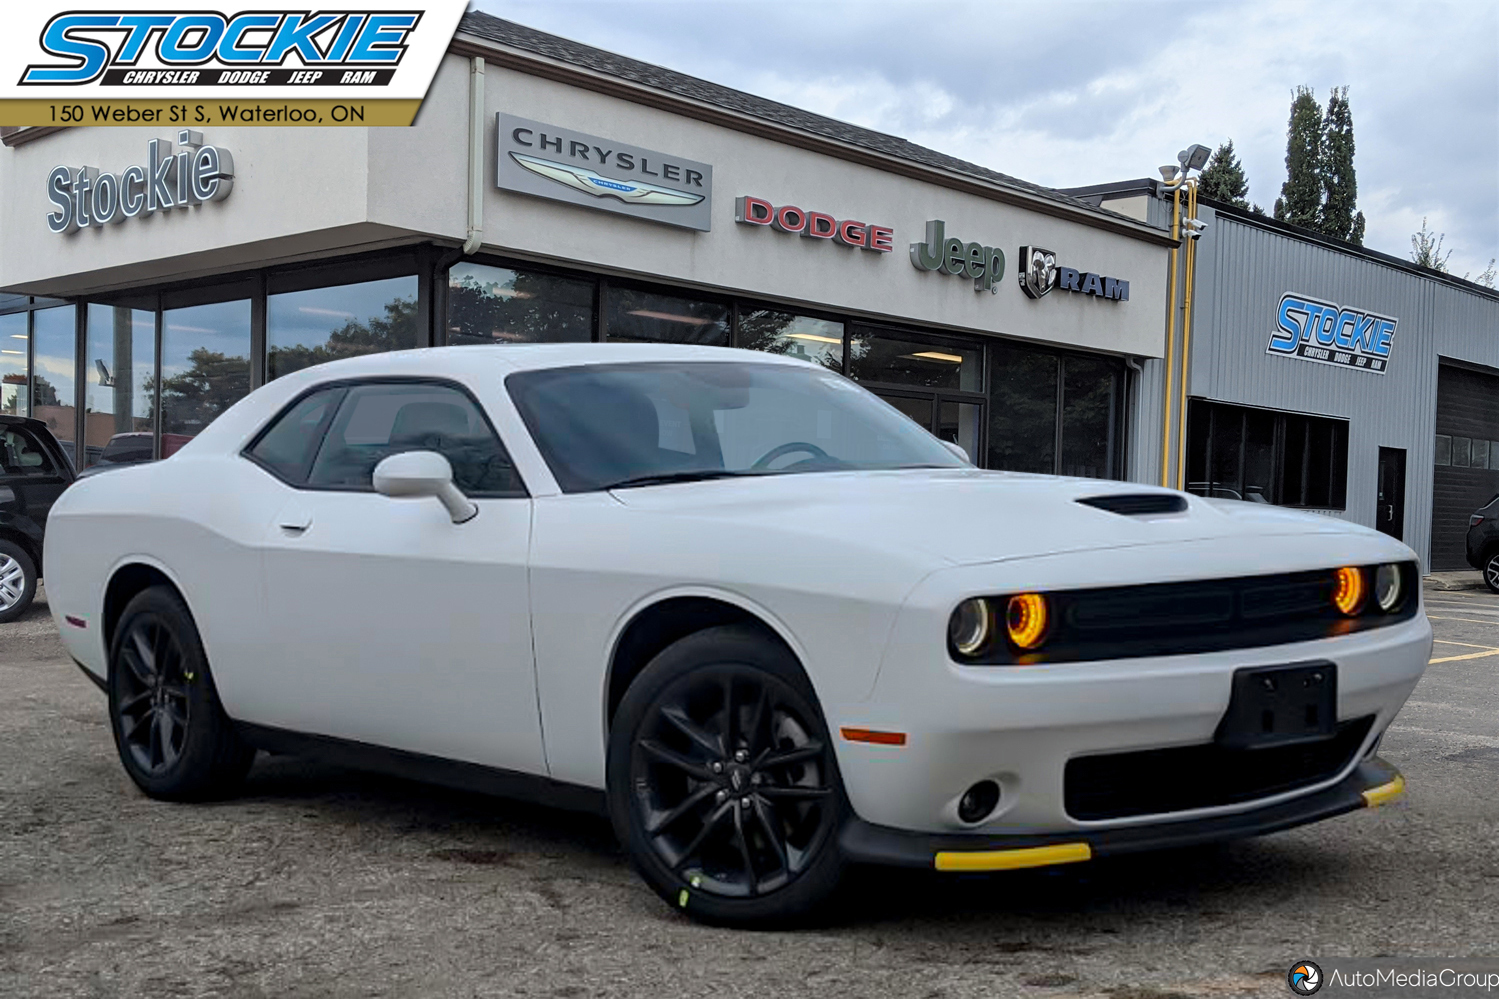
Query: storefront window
(646, 317)
(817, 340)
(53, 356)
(1261, 456)
(1090, 409)
(205, 362)
(499, 305)
(1022, 409)
(120, 382)
(13, 341)
(886, 359)
(310, 327)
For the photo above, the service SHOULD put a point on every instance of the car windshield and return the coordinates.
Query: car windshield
(609, 426)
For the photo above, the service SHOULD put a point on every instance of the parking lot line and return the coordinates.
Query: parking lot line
(1466, 620)
(1443, 641)
(1470, 655)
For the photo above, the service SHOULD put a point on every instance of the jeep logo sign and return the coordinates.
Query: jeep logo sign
(985, 264)
(85, 197)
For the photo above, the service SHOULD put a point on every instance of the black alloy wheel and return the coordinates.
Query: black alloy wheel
(173, 737)
(723, 783)
(1491, 572)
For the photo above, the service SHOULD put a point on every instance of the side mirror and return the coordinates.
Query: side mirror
(957, 449)
(421, 474)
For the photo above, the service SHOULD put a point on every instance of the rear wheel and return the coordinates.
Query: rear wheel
(171, 732)
(17, 581)
(1491, 571)
(722, 782)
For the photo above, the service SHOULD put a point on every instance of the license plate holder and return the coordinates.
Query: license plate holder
(1280, 705)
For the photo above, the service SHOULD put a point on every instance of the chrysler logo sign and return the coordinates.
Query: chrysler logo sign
(196, 173)
(565, 165)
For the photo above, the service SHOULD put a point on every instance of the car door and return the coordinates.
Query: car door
(387, 623)
(31, 480)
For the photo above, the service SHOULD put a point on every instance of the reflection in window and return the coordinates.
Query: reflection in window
(1022, 409)
(1234, 452)
(13, 341)
(1480, 454)
(913, 362)
(646, 317)
(499, 305)
(120, 389)
(817, 340)
(1090, 408)
(958, 423)
(1460, 450)
(205, 367)
(52, 379)
(22, 455)
(310, 327)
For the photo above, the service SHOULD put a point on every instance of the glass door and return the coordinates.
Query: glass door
(936, 381)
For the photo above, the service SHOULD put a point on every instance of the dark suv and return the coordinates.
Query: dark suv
(1483, 542)
(34, 470)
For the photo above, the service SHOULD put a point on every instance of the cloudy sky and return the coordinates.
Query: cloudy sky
(1073, 93)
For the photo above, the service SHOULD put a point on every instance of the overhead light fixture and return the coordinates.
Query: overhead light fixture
(21, 353)
(814, 336)
(315, 311)
(671, 317)
(1168, 172)
(1194, 157)
(937, 355)
(19, 336)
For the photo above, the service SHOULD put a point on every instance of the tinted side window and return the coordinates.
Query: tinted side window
(21, 454)
(378, 420)
(287, 447)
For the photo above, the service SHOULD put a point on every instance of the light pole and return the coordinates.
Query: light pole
(1178, 177)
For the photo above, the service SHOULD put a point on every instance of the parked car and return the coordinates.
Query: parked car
(762, 619)
(1483, 542)
(131, 448)
(34, 470)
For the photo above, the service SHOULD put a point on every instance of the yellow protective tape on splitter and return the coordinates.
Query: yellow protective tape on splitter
(1010, 860)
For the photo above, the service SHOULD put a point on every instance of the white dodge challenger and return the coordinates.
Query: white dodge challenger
(760, 617)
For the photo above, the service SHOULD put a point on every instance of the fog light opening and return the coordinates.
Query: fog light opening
(978, 802)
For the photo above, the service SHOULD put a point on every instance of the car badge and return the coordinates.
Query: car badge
(628, 191)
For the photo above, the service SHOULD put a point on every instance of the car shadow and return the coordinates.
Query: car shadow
(1102, 896)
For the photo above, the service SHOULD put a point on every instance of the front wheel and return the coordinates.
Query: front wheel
(722, 782)
(17, 581)
(172, 734)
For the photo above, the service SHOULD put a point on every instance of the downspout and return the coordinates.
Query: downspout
(1190, 279)
(1126, 437)
(475, 237)
(1176, 206)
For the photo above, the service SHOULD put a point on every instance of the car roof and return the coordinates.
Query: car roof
(24, 421)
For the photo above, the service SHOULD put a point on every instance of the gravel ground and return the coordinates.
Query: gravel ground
(326, 882)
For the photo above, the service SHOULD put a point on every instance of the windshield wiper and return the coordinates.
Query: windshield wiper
(664, 478)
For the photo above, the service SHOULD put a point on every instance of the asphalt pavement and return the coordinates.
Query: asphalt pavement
(319, 881)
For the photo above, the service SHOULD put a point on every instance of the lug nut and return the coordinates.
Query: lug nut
(722, 796)
(745, 802)
(717, 767)
(740, 755)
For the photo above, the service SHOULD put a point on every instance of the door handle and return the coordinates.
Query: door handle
(296, 524)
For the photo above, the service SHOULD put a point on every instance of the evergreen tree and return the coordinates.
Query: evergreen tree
(1224, 179)
(1339, 182)
(1300, 201)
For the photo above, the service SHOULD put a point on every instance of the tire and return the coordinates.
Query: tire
(17, 581)
(173, 737)
(731, 816)
(1490, 573)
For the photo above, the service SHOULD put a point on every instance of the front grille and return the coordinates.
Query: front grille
(1154, 781)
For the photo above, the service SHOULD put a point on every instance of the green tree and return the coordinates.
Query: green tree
(1300, 201)
(1224, 179)
(1340, 216)
(396, 330)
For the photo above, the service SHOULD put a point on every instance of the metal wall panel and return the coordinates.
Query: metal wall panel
(1242, 271)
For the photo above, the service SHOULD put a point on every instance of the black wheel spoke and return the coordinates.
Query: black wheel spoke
(690, 850)
(751, 878)
(773, 833)
(145, 654)
(757, 720)
(138, 668)
(692, 730)
(673, 758)
(730, 724)
(786, 757)
(135, 726)
(795, 792)
(687, 804)
(157, 753)
(131, 702)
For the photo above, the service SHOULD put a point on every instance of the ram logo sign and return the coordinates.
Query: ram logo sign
(1327, 333)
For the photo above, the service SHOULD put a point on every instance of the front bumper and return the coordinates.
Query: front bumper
(1372, 783)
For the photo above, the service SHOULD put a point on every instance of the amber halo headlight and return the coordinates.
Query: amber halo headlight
(971, 627)
(1026, 621)
(1388, 589)
(1348, 590)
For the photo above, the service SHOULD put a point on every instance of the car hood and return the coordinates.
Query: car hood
(968, 516)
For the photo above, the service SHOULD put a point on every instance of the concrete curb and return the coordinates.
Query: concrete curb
(1454, 581)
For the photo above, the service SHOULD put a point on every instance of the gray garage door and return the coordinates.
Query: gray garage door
(1467, 459)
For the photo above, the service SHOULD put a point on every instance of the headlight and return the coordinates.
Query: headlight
(1026, 620)
(1387, 587)
(1348, 590)
(971, 627)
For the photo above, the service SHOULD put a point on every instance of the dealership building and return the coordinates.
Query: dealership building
(549, 191)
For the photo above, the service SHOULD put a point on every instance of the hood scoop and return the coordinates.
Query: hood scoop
(1138, 504)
